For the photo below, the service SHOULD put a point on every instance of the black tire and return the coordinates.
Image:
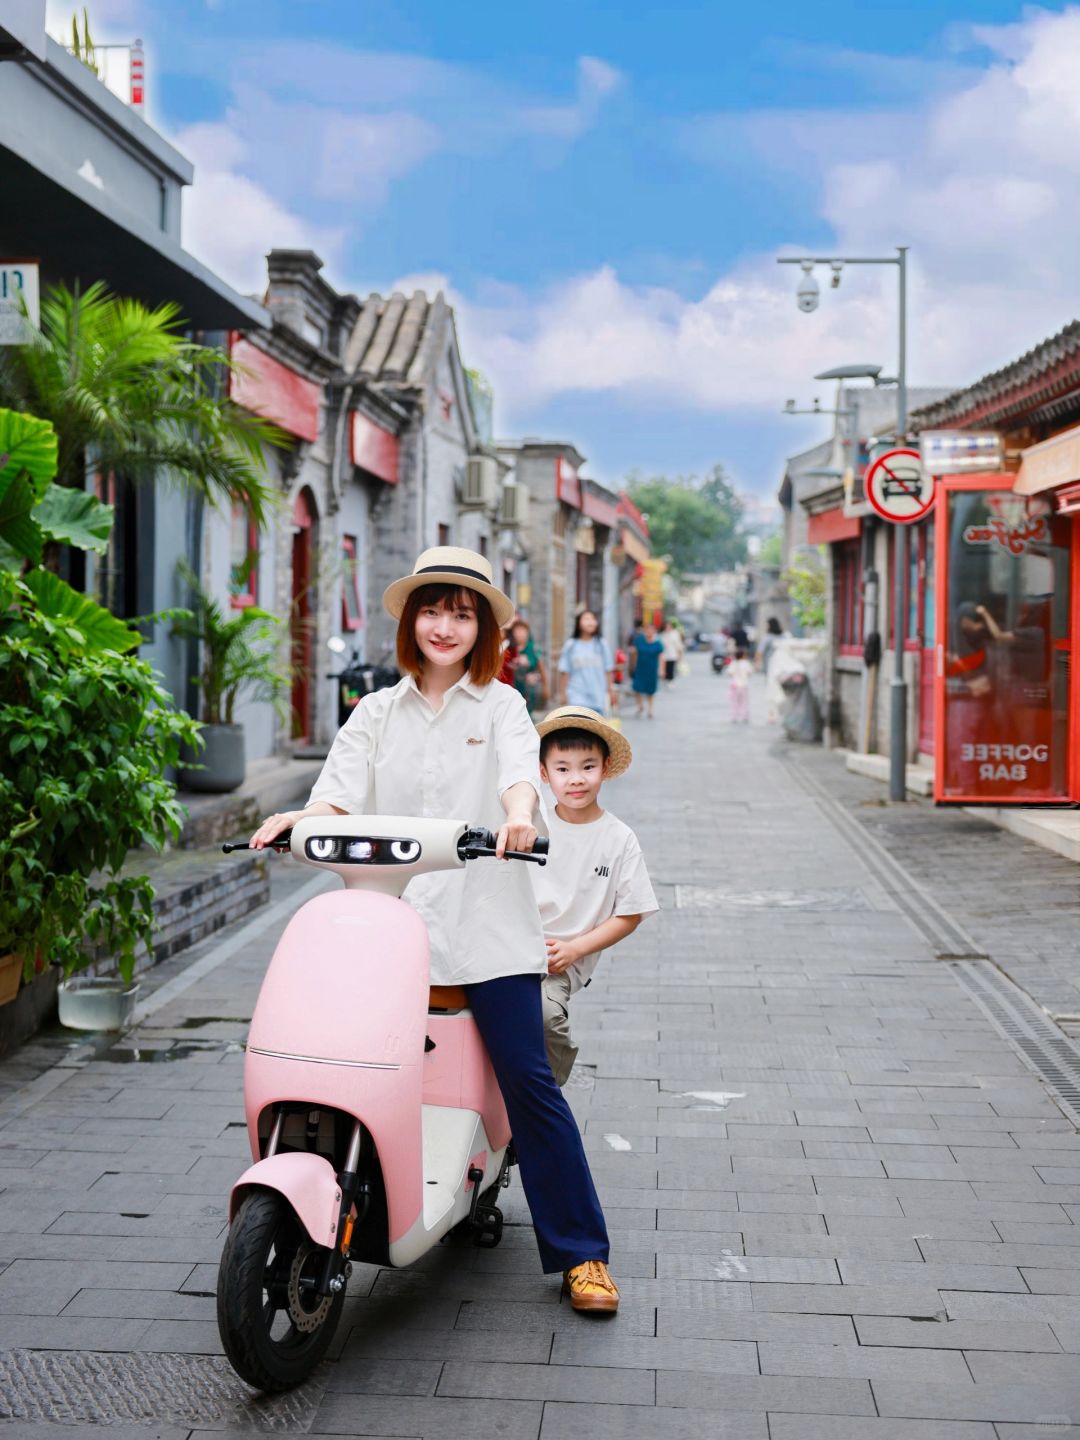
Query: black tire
(260, 1335)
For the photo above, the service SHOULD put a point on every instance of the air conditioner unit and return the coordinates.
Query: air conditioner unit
(481, 488)
(514, 511)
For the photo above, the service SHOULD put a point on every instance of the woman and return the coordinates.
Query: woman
(530, 677)
(671, 642)
(648, 648)
(774, 696)
(586, 667)
(449, 740)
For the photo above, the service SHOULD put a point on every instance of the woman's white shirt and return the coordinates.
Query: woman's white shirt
(672, 642)
(396, 755)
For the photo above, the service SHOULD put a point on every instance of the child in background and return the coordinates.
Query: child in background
(739, 672)
(594, 890)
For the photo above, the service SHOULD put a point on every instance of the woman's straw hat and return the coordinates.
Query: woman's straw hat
(449, 565)
(578, 717)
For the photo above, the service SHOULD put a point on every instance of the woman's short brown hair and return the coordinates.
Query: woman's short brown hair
(485, 658)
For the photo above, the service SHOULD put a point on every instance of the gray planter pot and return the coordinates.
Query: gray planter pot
(222, 762)
(90, 1003)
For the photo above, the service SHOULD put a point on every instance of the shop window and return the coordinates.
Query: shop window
(243, 559)
(847, 595)
(352, 610)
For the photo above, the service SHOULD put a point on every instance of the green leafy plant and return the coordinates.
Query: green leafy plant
(82, 46)
(32, 508)
(807, 588)
(87, 735)
(124, 389)
(240, 652)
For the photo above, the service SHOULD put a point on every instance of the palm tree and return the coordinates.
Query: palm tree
(123, 387)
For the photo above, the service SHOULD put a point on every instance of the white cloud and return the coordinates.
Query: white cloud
(596, 80)
(231, 223)
(981, 182)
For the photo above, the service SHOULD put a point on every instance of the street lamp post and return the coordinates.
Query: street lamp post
(808, 301)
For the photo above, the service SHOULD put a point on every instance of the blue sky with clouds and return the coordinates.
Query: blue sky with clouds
(603, 189)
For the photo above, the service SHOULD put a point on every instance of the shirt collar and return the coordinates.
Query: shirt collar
(466, 684)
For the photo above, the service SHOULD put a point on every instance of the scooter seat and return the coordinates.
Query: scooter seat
(448, 997)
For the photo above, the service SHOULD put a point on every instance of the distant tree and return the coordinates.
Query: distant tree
(807, 587)
(697, 522)
(772, 550)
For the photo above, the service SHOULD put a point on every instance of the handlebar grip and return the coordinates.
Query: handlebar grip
(541, 845)
(280, 843)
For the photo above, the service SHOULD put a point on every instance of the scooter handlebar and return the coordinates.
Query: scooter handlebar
(476, 842)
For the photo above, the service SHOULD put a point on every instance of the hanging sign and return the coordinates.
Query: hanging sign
(18, 288)
(898, 487)
(955, 452)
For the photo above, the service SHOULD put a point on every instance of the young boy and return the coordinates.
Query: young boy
(594, 890)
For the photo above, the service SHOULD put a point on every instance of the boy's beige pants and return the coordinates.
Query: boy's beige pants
(561, 1050)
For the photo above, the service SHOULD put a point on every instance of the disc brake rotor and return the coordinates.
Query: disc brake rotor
(304, 1319)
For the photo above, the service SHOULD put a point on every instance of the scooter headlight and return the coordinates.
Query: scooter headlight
(406, 851)
(323, 847)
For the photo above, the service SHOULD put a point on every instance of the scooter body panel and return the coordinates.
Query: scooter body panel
(307, 1182)
(458, 1073)
(348, 982)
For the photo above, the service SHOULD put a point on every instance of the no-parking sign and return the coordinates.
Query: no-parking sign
(899, 488)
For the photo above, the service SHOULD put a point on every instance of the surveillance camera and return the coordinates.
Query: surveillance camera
(808, 293)
(835, 268)
(789, 405)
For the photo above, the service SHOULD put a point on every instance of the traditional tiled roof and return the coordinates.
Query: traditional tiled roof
(1044, 381)
(396, 339)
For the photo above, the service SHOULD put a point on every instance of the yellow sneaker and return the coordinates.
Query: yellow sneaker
(592, 1288)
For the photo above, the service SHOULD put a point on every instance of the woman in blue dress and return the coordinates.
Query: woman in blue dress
(646, 669)
(586, 667)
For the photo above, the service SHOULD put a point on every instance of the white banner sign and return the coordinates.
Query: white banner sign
(18, 288)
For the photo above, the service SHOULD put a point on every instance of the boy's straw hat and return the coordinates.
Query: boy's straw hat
(578, 717)
(450, 565)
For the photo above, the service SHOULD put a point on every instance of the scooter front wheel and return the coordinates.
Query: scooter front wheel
(274, 1326)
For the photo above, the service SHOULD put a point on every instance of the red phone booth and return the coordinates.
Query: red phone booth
(1004, 683)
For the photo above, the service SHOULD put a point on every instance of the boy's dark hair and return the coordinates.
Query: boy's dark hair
(740, 653)
(572, 739)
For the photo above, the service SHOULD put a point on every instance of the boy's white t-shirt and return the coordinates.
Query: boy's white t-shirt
(594, 871)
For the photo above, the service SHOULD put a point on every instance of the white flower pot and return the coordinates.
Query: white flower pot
(89, 1003)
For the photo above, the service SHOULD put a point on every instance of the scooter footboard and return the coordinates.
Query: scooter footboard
(306, 1181)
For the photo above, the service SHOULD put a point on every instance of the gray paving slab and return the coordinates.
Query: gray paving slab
(825, 1134)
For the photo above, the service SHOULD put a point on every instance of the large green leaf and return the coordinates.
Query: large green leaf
(85, 624)
(75, 518)
(29, 444)
(18, 526)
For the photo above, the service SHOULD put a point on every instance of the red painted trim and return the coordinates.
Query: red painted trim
(1063, 376)
(627, 507)
(249, 597)
(830, 526)
(1068, 499)
(351, 581)
(602, 511)
(567, 483)
(852, 651)
(374, 449)
(1074, 669)
(271, 389)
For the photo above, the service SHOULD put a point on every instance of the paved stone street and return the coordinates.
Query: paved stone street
(842, 1204)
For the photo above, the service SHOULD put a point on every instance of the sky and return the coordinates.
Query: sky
(602, 187)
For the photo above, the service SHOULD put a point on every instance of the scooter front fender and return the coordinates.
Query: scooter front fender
(306, 1181)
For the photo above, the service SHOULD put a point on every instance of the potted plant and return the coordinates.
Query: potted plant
(87, 734)
(240, 655)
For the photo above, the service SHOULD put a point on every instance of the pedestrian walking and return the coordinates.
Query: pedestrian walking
(774, 633)
(530, 677)
(739, 673)
(594, 890)
(449, 740)
(587, 667)
(673, 647)
(648, 649)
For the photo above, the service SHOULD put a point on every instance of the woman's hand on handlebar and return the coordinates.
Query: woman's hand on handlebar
(518, 833)
(273, 826)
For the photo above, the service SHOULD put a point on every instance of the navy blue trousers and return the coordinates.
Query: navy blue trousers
(555, 1174)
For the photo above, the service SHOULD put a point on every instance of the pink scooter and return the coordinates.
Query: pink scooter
(375, 1120)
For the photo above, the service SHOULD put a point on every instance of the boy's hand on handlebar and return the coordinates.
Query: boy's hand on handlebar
(518, 833)
(272, 827)
(561, 955)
